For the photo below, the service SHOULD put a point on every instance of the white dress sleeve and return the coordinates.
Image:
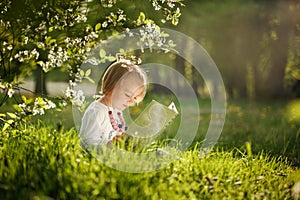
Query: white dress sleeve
(94, 130)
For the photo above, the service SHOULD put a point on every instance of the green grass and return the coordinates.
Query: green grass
(268, 126)
(257, 157)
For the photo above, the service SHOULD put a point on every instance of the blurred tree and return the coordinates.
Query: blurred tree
(282, 23)
(250, 41)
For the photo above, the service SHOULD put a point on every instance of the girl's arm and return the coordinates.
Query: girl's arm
(92, 130)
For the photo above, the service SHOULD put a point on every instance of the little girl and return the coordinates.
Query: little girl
(123, 85)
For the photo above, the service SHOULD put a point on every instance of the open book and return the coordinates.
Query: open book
(152, 121)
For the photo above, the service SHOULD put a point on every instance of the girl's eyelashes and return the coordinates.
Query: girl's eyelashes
(132, 98)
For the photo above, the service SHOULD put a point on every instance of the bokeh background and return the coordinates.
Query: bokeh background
(255, 45)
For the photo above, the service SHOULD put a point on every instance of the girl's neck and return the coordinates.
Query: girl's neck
(106, 101)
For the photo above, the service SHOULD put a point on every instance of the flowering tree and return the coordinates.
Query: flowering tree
(49, 34)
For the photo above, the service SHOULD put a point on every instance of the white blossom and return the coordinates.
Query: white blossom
(39, 111)
(69, 92)
(51, 104)
(151, 37)
(57, 57)
(64, 103)
(26, 40)
(171, 4)
(67, 40)
(129, 32)
(156, 5)
(104, 24)
(81, 18)
(10, 47)
(10, 92)
(40, 105)
(27, 55)
(79, 98)
(22, 105)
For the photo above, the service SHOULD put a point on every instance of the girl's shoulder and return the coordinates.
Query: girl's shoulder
(96, 106)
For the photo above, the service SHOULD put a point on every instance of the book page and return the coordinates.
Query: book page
(153, 120)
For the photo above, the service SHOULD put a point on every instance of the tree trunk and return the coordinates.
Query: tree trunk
(279, 54)
(40, 81)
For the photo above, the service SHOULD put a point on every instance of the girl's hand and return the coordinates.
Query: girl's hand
(117, 137)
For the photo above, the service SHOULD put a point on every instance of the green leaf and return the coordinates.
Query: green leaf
(69, 52)
(98, 26)
(40, 101)
(81, 72)
(88, 72)
(24, 98)
(89, 79)
(163, 34)
(122, 51)
(17, 108)
(175, 21)
(111, 58)
(12, 115)
(10, 121)
(6, 125)
(102, 53)
(148, 21)
(51, 29)
(50, 40)
(141, 18)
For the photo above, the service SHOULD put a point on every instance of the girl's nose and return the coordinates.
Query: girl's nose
(131, 100)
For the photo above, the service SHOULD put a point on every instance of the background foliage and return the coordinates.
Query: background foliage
(255, 44)
(40, 36)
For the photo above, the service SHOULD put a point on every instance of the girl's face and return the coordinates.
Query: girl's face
(126, 92)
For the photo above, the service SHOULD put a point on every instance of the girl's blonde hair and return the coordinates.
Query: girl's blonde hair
(119, 69)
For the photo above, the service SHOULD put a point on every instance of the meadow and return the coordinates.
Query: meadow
(256, 157)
